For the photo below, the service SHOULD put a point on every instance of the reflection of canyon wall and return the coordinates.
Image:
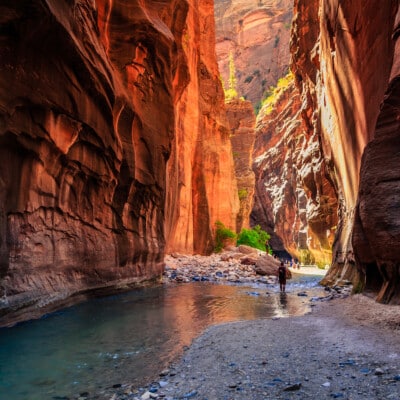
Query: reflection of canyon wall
(295, 201)
(257, 32)
(93, 104)
(342, 63)
(242, 121)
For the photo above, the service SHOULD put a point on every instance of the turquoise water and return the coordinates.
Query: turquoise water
(127, 338)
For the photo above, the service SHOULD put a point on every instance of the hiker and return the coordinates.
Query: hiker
(282, 276)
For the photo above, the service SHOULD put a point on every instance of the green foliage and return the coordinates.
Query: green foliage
(254, 237)
(231, 93)
(358, 287)
(243, 193)
(276, 42)
(222, 233)
(257, 107)
(275, 92)
(248, 79)
(306, 257)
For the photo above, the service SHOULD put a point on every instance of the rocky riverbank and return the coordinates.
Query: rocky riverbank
(237, 265)
(241, 264)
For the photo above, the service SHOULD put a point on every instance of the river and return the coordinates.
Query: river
(129, 337)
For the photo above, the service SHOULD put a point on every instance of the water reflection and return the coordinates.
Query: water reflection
(124, 338)
(283, 302)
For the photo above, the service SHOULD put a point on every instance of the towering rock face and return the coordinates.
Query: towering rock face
(256, 33)
(201, 179)
(343, 63)
(295, 200)
(376, 236)
(242, 122)
(94, 98)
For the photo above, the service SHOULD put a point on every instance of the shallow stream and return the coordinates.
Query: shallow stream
(129, 338)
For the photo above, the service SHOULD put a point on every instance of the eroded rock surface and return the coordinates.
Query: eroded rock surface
(242, 120)
(257, 34)
(295, 200)
(342, 62)
(96, 99)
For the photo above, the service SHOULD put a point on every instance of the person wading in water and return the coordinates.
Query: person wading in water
(282, 276)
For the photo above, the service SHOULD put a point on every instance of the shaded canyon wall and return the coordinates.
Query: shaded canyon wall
(343, 53)
(98, 100)
(242, 121)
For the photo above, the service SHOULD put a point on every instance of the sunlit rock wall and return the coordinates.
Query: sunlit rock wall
(91, 102)
(257, 34)
(201, 179)
(242, 134)
(342, 57)
(295, 200)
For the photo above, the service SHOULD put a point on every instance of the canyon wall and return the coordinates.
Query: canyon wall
(201, 183)
(342, 58)
(242, 135)
(256, 33)
(295, 200)
(98, 101)
(376, 235)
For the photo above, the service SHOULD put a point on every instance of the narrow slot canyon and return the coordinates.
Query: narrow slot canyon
(147, 145)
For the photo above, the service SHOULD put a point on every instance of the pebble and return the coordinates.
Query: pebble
(293, 387)
(302, 294)
(365, 370)
(190, 394)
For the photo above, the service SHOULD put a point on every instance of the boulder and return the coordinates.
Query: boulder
(249, 260)
(267, 265)
(247, 249)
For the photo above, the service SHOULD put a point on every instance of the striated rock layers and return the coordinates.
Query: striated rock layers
(242, 122)
(345, 62)
(201, 184)
(295, 200)
(98, 102)
(257, 34)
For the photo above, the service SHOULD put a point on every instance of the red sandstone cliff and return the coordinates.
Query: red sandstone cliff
(295, 200)
(98, 102)
(342, 57)
(376, 235)
(201, 179)
(242, 134)
(257, 33)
